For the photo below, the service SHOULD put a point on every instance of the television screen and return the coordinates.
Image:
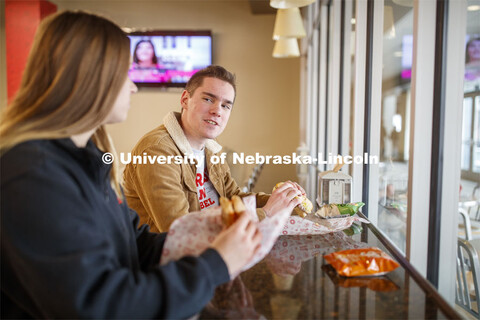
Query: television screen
(407, 56)
(168, 58)
(472, 63)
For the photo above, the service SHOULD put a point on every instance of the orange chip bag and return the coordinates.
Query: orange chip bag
(361, 262)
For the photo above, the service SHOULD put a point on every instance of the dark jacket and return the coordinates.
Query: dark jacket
(71, 249)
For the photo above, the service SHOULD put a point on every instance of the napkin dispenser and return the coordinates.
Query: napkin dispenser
(334, 187)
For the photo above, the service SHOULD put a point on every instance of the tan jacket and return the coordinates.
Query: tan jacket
(161, 193)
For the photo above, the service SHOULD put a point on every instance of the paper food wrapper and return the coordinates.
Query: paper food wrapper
(314, 225)
(193, 233)
(289, 252)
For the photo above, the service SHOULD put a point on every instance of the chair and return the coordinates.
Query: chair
(476, 197)
(252, 180)
(466, 223)
(242, 174)
(472, 228)
(467, 292)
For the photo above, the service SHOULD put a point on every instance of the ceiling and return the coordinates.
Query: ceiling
(261, 7)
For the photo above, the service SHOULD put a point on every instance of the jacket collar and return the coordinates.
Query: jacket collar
(89, 156)
(89, 153)
(171, 122)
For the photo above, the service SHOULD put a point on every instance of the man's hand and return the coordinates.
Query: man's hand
(297, 186)
(283, 197)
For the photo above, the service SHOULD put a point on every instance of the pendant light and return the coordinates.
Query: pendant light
(285, 4)
(286, 48)
(288, 24)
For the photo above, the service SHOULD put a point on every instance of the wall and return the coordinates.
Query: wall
(265, 116)
(3, 54)
(22, 19)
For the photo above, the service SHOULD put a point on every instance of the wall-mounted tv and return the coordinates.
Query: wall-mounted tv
(168, 58)
(407, 56)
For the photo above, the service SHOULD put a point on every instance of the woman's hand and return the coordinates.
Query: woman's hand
(238, 243)
(283, 197)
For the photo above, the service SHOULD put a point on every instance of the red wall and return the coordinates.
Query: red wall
(21, 21)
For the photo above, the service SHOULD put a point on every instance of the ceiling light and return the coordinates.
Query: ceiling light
(285, 4)
(286, 48)
(404, 3)
(474, 7)
(388, 23)
(288, 24)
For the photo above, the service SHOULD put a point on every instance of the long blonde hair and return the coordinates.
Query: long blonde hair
(75, 70)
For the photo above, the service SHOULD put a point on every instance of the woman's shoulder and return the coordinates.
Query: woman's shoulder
(24, 156)
(29, 157)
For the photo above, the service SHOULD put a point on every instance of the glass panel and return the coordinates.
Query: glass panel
(395, 121)
(466, 132)
(352, 77)
(476, 137)
(470, 155)
(469, 201)
(472, 47)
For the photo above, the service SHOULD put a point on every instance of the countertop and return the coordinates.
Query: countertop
(295, 282)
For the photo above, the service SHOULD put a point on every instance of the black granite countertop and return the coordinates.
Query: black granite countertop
(295, 282)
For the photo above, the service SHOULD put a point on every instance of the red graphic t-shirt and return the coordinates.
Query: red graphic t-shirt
(207, 195)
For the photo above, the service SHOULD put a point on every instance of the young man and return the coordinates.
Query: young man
(160, 193)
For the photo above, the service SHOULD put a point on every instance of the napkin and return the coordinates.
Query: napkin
(194, 232)
(314, 225)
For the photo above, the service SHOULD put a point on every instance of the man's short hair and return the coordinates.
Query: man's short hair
(210, 72)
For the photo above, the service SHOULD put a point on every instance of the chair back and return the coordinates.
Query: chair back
(252, 180)
(476, 197)
(467, 292)
(466, 223)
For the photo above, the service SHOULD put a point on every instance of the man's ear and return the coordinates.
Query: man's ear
(184, 99)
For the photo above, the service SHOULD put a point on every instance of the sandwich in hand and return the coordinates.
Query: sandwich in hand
(305, 207)
(231, 209)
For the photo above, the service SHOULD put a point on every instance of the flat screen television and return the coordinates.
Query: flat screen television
(168, 58)
(407, 56)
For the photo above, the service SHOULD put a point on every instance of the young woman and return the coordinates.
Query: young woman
(472, 60)
(145, 66)
(70, 247)
(144, 55)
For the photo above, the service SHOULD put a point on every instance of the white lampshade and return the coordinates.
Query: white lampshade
(288, 24)
(388, 23)
(405, 3)
(285, 4)
(286, 48)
